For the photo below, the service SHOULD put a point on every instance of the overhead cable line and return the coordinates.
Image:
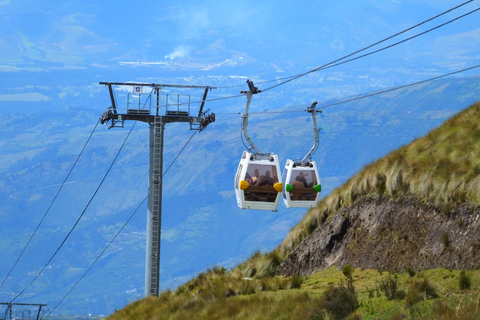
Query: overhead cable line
(337, 61)
(79, 218)
(50, 206)
(397, 88)
(118, 232)
(171, 164)
(397, 43)
(98, 258)
(357, 98)
(358, 51)
(293, 106)
(332, 64)
(297, 111)
(364, 96)
(374, 44)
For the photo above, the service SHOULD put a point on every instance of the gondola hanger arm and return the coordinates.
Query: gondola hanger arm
(252, 90)
(313, 111)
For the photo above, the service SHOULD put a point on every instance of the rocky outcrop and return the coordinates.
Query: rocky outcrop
(391, 234)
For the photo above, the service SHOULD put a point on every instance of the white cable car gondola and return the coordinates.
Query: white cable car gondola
(258, 183)
(302, 183)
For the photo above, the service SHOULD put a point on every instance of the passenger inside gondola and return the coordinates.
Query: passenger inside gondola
(302, 176)
(267, 180)
(298, 184)
(305, 181)
(248, 179)
(261, 185)
(255, 178)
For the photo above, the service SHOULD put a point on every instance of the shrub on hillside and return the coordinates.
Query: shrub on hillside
(445, 239)
(465, 281)
(340, 301)
(348, 271)
(410, 272)
(420, 290)
(389, 287)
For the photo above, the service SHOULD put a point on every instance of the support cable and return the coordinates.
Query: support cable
(98, 258)
(397, 43)
(338, 61)
(358, 51)
(332, 64)
(80, 217)
(50, 206)
(360, 97)
(363, 96)
(178, 155)
(118, 232)
(397, 88)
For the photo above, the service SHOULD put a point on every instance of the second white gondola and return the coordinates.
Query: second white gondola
(302, 185)
(302, 182)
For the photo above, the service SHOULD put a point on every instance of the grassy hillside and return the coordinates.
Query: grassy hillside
(441, 170)
(329, 294)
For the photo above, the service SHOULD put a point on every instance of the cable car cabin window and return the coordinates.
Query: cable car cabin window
(261, 179)
(303, 182)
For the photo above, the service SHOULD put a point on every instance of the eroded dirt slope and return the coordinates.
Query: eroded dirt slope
(387, 234)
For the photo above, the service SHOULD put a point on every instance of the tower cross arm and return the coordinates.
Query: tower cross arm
(156, 85)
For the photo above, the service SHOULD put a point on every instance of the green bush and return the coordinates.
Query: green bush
(389, 287)
(340, 301)
(348, 271)
(420, 290)
(296, 282)
(410, 272)
(465, 281)
(445, 239)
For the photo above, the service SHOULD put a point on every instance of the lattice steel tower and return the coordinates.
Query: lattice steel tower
(145, 107)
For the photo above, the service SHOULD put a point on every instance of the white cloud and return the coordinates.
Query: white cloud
(179, 52)
(32, 96)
